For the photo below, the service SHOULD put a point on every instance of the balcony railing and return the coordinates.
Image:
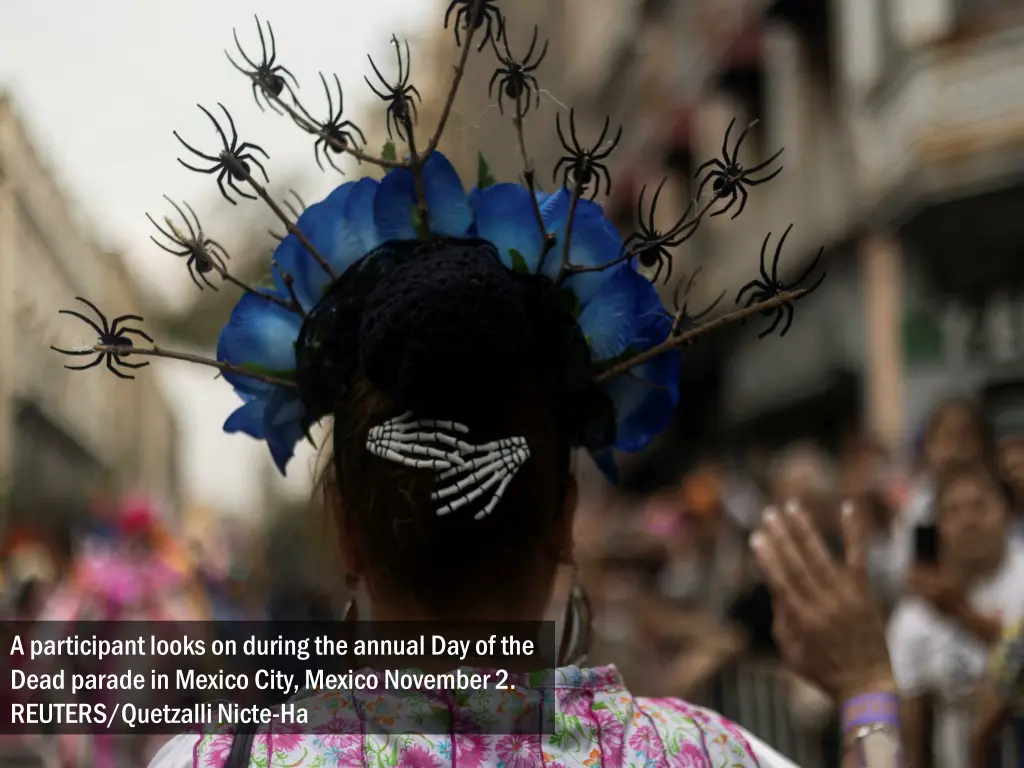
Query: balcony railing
(943, 105)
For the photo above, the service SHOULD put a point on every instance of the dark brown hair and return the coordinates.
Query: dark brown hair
(975, 469)
(975, 415)
(445, 563)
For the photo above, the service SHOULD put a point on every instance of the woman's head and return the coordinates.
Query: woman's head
(956, 431)
(972, 507)
(453, 336)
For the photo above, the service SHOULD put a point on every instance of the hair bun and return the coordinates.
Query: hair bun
(446, 335)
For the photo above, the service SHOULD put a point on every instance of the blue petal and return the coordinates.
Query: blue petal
(505, 217)
(595, 241)
(623, 301)
(283, 425)
(248, 419)
(260, 335)
(359, 213)
(646, 399)
(448, 205)
(332, 233)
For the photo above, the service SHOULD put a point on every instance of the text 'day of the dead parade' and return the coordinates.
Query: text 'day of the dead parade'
(306, 677)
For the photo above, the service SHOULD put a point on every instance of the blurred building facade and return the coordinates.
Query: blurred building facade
(903, 122)
(65, 436)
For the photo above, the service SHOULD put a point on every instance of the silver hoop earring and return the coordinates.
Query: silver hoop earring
(351, 612)
(578, 630)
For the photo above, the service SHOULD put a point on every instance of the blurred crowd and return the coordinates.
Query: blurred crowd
(678, 599)
(681, 597)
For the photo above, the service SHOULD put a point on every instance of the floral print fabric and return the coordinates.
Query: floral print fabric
(598, 724)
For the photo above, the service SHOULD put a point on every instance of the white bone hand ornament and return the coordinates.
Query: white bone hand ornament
(474, 470)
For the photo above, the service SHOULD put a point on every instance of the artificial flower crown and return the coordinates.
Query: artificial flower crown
(512, 256)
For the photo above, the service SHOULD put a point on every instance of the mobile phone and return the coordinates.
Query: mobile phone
(926, 544)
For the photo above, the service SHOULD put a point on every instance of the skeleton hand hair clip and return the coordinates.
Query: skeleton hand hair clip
(474, 470)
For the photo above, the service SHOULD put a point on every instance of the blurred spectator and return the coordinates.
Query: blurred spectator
(939, 635)
(1009, 435)
(705, 552)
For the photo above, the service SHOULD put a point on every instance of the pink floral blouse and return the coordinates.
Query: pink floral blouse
(598, 724)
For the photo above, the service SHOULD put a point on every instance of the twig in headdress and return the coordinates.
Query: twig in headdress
(341, 132)
(267, 77)
(673, 342)
(729, 178)
(770, 285)
(113, 344)
(224, 368)
(472, 15)
(233, 163)
(518, 82)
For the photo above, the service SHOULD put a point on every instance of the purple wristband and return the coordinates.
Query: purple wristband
(871, 709)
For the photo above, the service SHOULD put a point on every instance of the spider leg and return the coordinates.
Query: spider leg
(123, 364)
(214, 169)
(778, 255)
(263, 43)
(413, 112)
(378, 94)
(91, 323)
(604, 131)
(764, 269)
(604, 173)
(610, 148)
(194, 151)
(138, 332)
(114, 326)
(165, 234)
(93, 364)
(220, 186)
(217, 254)
(711, 176)
(448, 13)
(330, 161)
(191, 265)
(725, 141)
(710, 308)
(250, 159)
(778, 315)
(651, 224)
(733, 197)
(766, 163)
(113, 370)
(287, 73)
(233, 184)
(316, 152)
(75, 352)
(572, 132)
(758, 182)
(403, 78)
(355, 128)
(231, 124)
(459, 22)
(220, 131)
(744, 196)
(488, 33)
(712, 163)
(199, 228)
(497, 73)
(754, 285)
(788, 309)
(739, 142)
(501, 99)
(554, 175)
(181, 213)
(241, 50)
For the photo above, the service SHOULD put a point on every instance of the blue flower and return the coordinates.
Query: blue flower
(619, 311)
(646, 399)
(260, 337)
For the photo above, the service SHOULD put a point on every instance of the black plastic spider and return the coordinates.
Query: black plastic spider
(204, 254)
(233, 161)
(111, 334)
(682, 320)
(582, 165)
(516, 77)
(650, 245)
(770, 286)
(729, 178)
(334, 135)
(400, 97)
(476, 13)
(267, 77)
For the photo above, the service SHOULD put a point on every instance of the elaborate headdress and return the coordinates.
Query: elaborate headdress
(442, 297)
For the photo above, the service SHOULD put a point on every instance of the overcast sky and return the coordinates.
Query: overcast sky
(101, 85)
